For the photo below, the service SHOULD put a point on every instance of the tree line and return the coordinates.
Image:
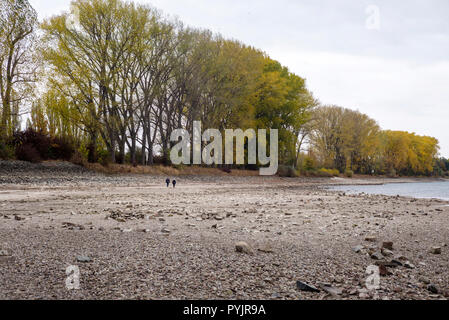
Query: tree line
(115, 78)
(348, 140)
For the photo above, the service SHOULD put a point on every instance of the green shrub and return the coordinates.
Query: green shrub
(6, 151)
(309, 164)
(104, 158)
(329, 172)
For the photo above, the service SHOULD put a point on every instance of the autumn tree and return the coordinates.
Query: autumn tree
(345, 139)
(283, 103)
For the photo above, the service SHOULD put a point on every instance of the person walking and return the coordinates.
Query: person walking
(167, 182)
(174, 183)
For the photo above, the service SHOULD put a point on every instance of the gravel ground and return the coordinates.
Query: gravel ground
(140, 240)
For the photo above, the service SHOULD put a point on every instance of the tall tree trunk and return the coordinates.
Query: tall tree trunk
(92, 148)
(143, 159)
(133, 150)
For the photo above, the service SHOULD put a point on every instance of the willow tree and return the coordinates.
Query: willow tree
(18, 21)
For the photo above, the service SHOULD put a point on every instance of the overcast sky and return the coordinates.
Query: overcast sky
(386, 58)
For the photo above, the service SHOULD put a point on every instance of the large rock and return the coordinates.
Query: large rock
(243, 247)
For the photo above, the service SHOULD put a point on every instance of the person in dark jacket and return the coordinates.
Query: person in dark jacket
(174, 183)
(167, 182)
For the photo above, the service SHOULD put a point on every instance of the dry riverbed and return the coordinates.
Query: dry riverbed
(132, 238)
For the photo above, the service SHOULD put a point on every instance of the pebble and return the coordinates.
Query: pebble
(432, 288)
(387, 253)
(387, 245)
(4, 253)
(377, 256)
(83, 259)
(357, 249)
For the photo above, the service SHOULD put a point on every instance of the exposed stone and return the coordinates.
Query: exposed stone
(387, 252)
(401, 258)
(383, 270)
(72, 226)
(391, 264)
(305, 287)
(83, 259)
(387, 245)
(370, 239)
(4, 253)
(243, 247)
(436, 250)
(265, 248)
(432, 288)
(275, 296)
(358, 249)
(424, 280)
(363, 294)
(377, 256)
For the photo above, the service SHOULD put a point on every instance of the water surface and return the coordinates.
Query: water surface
(437, 190)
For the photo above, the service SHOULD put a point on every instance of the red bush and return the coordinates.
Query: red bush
(27, 152)
(35, 146)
